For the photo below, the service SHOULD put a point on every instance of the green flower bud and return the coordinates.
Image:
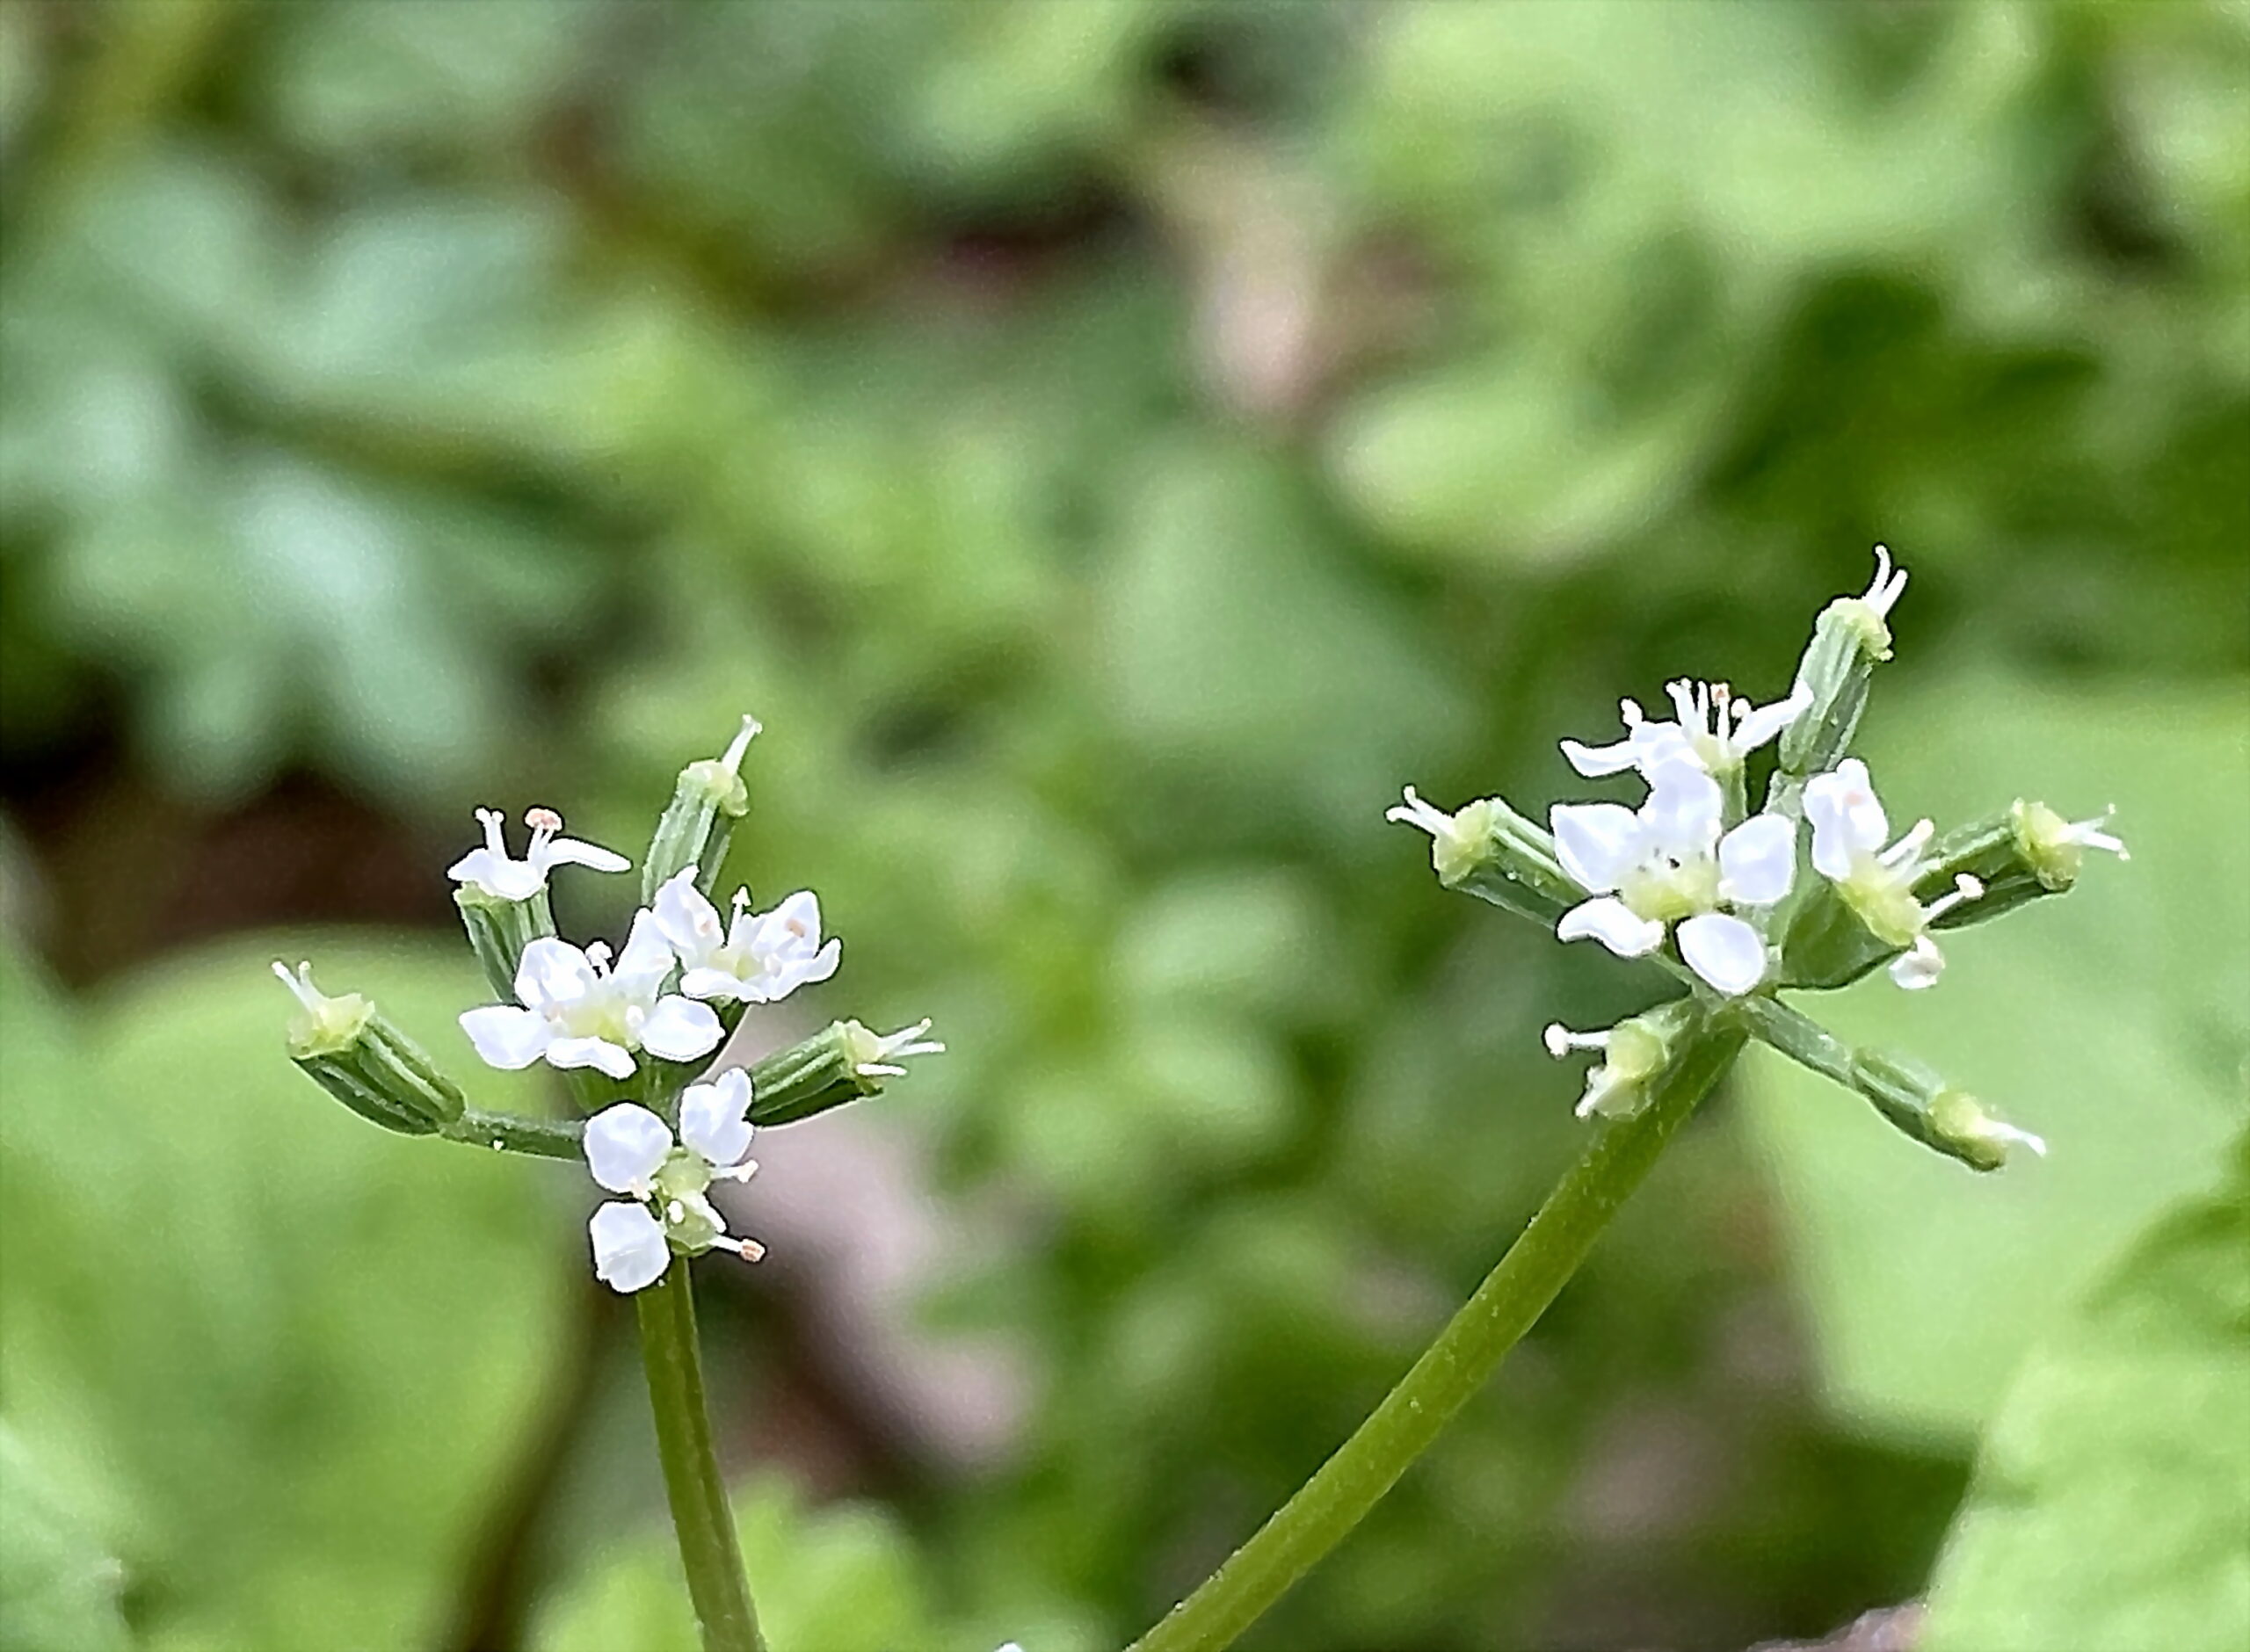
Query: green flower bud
(707, 800)
(1910, 1098)
(842, 1063)
(1487, 850)
(1850, 639)
(350, 1049)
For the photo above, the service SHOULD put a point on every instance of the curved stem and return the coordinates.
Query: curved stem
(700, 1514)
(1512, 1296)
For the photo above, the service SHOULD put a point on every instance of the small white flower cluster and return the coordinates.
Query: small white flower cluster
(1687, 866)
(666, 1207)
(575, 1008)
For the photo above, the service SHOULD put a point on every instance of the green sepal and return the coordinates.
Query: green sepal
(707, 800)
(1850, 640)
(500, 930)
(353, 1052)
(1496, 855)
(810, 1077)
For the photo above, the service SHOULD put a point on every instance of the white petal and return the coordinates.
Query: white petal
(1685, 811)
(553, 972)
(478, 867)
(1919, 966)
(685, 918)
(785, 975)
(1762, 723)
(1758, 861)
(571, 851)
(624, 1145)
(1597, 843)
(630, 1249)
(792, 926)
(507, 1037)
(599, 1054)
(1614, 924)
(1594, 762)
(647, 958)
(1848, 818)
(715, 986)
(1724, 951)
(711, 1118)
(512, 880)
(680, 1030)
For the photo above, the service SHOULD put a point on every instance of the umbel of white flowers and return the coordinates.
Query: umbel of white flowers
(1694, 879)
(645, 1019)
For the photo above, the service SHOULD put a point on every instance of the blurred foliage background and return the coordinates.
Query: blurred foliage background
(1113, 444)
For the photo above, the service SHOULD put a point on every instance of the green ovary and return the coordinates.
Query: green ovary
(682, 1172)
(1665, 894)
(1887, 907)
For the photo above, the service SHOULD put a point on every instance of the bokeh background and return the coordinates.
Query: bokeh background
(1113, 444)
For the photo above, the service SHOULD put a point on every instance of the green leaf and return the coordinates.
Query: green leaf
(843, 1579)
(2114, 1022)
(302, 1351)
(58, 1586)
(2111, 1508)
(1296, 688)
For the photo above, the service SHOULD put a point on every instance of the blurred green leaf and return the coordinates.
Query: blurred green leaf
(422, 74)
(2114, 1022)
(298, 1352)
(58, 1586)
(1238, 645)
(2111, 1510)
(843, 1578)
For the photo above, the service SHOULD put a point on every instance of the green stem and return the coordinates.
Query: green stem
(507, 1133)
(1512, 1296)
(700, 1514)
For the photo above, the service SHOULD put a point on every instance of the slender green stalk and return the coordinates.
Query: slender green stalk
(700, 1513)
(1512, 1296)
(509, 1133)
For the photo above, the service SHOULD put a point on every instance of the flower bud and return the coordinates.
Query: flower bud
(1910, 1098)
(2019, 856)
(707, 800)
(1850, 639)
(500, 930)
(1487, 850)
(1974, 1136)
(350, 1049)
(842, 1063)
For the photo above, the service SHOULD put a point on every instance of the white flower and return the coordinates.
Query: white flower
(758, 958)
(631, 1151)
(1668, 861)
(878, 1055)
(1848, 829)
(578, 1011)
(1715, 730)
(490, 869)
